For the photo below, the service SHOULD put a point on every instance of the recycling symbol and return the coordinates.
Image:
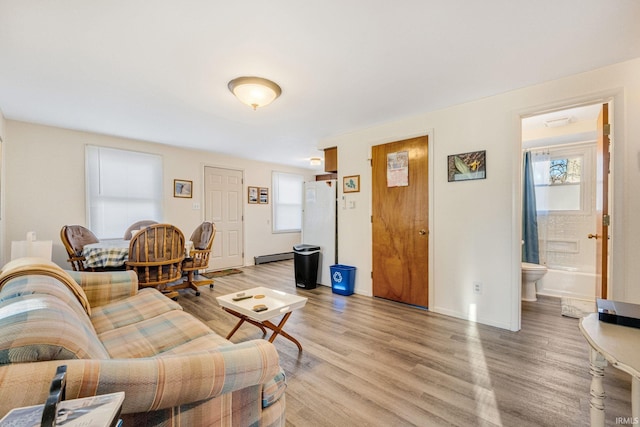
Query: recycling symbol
(337, 277)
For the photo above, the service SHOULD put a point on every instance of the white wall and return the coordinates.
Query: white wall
(475, 225)
(45, 186)
(2, 185)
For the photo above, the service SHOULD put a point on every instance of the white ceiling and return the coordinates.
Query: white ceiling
(158, 70)
(568, 126)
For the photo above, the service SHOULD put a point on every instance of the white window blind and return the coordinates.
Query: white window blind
(287, 202)
(122, 187)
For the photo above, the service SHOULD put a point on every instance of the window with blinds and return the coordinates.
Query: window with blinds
(287, 202)
(122, 187)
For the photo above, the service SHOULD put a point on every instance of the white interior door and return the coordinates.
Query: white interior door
(319, 224)
(223, 207)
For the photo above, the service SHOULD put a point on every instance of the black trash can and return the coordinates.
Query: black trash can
(305, 262)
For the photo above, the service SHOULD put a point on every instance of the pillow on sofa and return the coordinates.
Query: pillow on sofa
(41, 327)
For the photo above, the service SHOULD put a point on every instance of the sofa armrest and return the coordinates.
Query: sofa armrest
(149, 383)
(104, 287)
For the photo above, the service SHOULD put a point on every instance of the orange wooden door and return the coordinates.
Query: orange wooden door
(400, 220)
(602, 204)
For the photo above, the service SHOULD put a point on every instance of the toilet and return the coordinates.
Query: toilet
(531, 273)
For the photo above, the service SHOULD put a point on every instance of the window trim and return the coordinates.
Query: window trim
(586, 150)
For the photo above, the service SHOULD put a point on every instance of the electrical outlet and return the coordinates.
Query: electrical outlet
(477, 288)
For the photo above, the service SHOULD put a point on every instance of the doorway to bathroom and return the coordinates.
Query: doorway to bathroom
(568, 152)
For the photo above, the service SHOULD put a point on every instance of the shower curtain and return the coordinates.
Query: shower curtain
(530, 250)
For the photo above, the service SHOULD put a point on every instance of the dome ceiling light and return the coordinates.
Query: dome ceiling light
(254, 91)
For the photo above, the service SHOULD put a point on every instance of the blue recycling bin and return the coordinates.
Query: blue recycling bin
(343, 279)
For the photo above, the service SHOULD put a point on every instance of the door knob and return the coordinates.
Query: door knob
(422, 232)
(593, 236)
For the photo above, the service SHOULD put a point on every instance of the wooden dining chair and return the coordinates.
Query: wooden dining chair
(136, 226)
(74, 238)
(156, 255)
(198, 259)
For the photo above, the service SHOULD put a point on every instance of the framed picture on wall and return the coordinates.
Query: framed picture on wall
(264, 195)
(351, 184)
(467, 166)
(182, 188)
(253, 195)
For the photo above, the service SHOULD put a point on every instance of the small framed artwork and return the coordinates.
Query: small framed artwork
(264, 195)
(467, 166)
(182, 188)
(253, 195)
(351, 184)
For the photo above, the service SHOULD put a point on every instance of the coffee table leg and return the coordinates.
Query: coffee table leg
(277, 330)
(635, 398)
(596, 368)
(258, 324)
(243, 319)
(233, 331)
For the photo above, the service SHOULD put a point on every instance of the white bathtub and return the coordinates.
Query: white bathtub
(567, 282)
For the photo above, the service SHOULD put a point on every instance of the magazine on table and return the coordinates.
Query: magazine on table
(94, 411)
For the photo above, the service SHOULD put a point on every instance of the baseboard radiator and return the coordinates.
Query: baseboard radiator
(263, 259)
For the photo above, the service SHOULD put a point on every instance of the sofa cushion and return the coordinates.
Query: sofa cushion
(153, 336)
(274, 389)
(148, 303)
(205, 342)
(40, 327)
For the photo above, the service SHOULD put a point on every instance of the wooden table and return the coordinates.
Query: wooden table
(619, 346)
(277, 302)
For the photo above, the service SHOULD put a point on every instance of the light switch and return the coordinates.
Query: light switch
(196, 206)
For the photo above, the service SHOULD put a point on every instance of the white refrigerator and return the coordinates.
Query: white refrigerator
(319, 224)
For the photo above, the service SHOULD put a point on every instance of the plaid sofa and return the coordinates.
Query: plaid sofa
(173, 369)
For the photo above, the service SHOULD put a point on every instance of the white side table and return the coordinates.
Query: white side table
(619, 346)
(275, 303)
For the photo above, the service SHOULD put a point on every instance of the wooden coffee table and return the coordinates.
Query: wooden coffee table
(277, 303)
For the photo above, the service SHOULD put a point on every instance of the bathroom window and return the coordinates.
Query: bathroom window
(562, 180)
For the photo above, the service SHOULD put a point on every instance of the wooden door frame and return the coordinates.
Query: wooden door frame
(615, 98)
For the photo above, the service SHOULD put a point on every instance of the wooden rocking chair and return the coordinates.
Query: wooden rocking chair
(74, 237)
(198, 259)
(156, 255)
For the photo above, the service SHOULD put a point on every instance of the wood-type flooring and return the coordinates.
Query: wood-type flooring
(372, 362)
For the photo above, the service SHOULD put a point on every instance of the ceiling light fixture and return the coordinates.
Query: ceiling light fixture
(315, 161)
(254, 91)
